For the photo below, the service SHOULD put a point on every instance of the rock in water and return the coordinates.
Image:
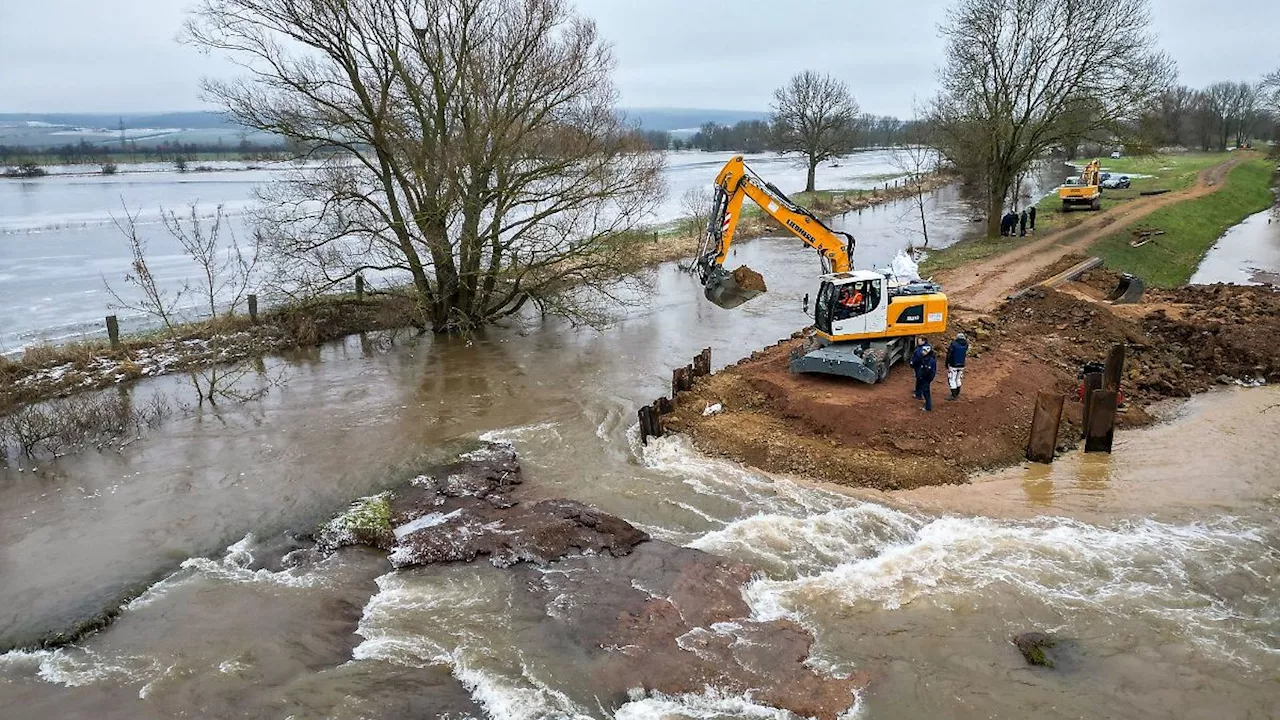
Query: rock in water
(748, 279)
(1032, 645)
(463, 511)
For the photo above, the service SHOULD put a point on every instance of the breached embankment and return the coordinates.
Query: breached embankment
(1178, 342)
(648, 616)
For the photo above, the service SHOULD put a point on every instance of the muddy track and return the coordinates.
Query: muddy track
(983, 285)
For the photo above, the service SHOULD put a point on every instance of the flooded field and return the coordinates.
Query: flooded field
(1247, 254)
(1159, 563)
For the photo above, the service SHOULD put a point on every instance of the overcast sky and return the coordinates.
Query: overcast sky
(100, 56)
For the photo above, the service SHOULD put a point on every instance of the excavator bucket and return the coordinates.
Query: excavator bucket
(1128, 291)
(731, 289)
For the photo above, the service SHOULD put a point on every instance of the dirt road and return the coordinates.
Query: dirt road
(983, 285)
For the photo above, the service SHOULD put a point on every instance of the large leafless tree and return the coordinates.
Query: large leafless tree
(815, 116)
(471, 146)
(1024, 76)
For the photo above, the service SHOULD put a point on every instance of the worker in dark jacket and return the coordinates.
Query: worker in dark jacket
(925, 363)
(917, 361)
(928, 371)
(1022, 220)
(1031, 219)
(956, 353)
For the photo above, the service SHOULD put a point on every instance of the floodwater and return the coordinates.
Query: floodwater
(1161, 561)
(1246, 254)
(59, 245)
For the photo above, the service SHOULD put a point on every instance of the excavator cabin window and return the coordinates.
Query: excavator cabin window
(841, 302)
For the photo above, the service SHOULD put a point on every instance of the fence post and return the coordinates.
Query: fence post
(1044, 428)
(1092, 383)
(359, 287)
(113, 331)
(1114, 368)
(253, 308)
(1101, 429)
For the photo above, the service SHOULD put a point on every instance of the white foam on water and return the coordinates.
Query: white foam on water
(784, 546)
(416, 620)
(751, 489)
(521, 432)
(1142, 569)
(711, 704)
(526, 698)
(74, 666)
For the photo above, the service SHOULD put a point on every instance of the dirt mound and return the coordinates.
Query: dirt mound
(749, 279)
(1177, 343)
(851, 433)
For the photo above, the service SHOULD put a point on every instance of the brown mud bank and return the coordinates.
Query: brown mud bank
(1177, 343)
(642, 614)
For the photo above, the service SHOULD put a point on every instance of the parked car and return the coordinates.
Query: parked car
(1116, 155)
(1115, 182)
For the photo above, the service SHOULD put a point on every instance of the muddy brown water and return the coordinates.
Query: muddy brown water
(1160, 561)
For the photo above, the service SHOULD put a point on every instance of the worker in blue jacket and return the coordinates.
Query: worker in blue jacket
(925, 363)
(956, 354)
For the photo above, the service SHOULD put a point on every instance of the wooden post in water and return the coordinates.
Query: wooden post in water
(113, 331)
(702, 363)
(1101, 429)
(359, 287)
(1092, 383)
(1114, 368)
(253, 308)
(1044, 427)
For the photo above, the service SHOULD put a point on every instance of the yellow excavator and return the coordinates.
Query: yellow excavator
(1084, 190)
(864, 320)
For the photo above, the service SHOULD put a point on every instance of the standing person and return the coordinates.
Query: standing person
(1031, 219)
(928, 371)
(1022, 230)
(956, 353)
(923, 348)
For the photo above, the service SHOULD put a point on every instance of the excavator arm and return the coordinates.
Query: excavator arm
(735, 183)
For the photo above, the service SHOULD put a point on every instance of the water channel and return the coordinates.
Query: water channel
(1161, 562)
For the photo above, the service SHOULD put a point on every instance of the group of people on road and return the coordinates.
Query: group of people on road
(925, 363)
(1018, 224)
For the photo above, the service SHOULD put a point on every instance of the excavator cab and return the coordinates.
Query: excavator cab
(851, 303)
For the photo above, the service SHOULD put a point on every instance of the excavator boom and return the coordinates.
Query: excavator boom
(735, 183)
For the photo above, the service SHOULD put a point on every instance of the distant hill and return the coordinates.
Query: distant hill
(687, 118)
(46, 129)
(198, 120)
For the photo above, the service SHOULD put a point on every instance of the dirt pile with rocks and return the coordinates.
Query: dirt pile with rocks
(838, 430)
(749, 279)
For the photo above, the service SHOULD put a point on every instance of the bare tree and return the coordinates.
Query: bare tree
(482, 156)
(696, 208)
(1024, 76)
(226, 270)
(816, 116)
(155, 300)
(1271, 92)
(918, 161)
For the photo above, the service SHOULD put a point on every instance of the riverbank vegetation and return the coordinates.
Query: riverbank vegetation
(1169, 172)
(1189, 228)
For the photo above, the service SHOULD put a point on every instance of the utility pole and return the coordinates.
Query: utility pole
(122, 147)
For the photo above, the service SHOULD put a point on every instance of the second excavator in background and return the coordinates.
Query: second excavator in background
(864, 320)
(1085, 190)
